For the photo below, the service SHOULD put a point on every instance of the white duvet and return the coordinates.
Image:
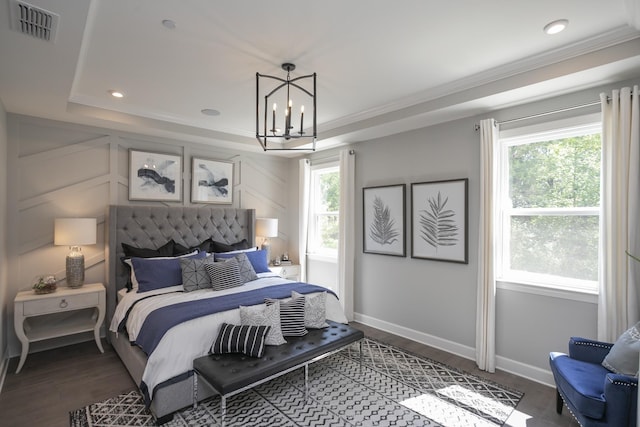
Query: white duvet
(183, 343)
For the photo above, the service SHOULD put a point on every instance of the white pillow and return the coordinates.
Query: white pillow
(259, 315)
(315, 310)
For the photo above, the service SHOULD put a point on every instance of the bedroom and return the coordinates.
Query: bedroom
(442, 309)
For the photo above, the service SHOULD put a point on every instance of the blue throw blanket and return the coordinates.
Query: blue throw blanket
(159, 321)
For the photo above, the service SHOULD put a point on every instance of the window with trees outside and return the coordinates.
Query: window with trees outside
(325, 207)
(549, 208)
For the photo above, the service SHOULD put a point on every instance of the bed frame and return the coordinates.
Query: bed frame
(152, 227)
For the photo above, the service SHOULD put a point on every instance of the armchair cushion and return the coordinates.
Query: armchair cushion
(582, 383)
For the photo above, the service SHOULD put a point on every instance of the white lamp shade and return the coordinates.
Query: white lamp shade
(267, 227)
(75, 231)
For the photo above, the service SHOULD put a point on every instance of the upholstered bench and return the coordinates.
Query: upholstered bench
(230, 374)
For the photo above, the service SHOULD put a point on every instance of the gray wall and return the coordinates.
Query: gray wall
(60, 169)
(435, 302)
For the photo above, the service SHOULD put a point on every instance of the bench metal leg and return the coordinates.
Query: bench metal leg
(223, 409)
(195, 390)
(306, 382)
(361, 357)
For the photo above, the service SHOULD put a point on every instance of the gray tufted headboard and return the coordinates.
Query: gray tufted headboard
(153, 226)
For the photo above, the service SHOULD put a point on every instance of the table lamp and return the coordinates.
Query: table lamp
(74, 232)
(265, 228)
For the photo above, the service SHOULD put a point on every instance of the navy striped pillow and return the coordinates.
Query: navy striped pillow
(246, 339)
(224, 275)
(291, 316)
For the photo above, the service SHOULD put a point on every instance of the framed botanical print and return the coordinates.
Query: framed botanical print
(439, 220)
(383, 221)
(211, 181)
(155, 176)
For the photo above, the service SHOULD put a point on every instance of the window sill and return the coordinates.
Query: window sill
(530, 288)
(322, 258)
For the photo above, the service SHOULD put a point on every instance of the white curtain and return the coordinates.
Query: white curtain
(305, 177)
(618, 301)
(486, 298)
(346, 248)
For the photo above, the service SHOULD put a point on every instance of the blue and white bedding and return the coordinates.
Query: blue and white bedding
(171, 353)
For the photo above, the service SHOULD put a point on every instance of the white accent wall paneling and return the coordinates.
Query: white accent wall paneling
(65, 170)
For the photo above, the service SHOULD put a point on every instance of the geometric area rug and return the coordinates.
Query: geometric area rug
(395, 388)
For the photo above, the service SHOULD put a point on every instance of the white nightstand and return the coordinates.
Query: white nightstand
(291, 272)
(63, 312)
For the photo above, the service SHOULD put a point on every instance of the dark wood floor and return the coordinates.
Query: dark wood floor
(54, 382)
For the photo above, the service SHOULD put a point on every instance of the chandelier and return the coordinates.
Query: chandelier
(278, 104)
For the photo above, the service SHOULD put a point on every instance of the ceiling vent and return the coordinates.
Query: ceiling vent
(33, 21)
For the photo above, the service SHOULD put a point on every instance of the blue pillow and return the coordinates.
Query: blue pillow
(258, 259)
(154, 274)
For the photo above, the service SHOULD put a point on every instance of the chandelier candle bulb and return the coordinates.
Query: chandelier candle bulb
(273, 128)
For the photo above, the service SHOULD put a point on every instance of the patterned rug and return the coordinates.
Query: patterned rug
(395, 388)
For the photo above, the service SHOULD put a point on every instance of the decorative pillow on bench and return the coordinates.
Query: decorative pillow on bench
(315, 309)
(258, 315)
(246, 339)
(291, 316)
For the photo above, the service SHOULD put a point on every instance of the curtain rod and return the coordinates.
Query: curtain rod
(546, 113)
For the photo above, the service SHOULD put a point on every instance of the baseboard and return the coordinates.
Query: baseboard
(512, 366)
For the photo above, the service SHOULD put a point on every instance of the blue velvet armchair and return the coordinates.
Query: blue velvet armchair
(594, 395)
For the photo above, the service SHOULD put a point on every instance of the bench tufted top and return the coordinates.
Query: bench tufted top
(227, 373)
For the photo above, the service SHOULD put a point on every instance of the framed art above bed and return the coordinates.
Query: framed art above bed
(211, 181)
(155, 176)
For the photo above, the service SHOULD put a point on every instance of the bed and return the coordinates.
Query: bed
(164, 370)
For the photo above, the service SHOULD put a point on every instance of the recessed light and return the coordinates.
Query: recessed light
(210, 112)
(169, 23)
(116, 94)
(556, 26)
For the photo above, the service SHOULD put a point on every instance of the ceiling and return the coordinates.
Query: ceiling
(382, 66)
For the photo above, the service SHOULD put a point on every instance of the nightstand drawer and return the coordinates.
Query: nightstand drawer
(59, 303)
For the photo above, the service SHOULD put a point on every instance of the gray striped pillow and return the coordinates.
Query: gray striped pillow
(245, 339)
(224, 275)
(291, 316)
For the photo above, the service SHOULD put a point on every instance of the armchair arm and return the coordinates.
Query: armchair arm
(588, 350)
(621, 394)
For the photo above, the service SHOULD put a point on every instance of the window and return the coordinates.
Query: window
(325, 206)
(549, 207)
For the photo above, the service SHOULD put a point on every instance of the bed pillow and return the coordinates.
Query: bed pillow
(291, 316)
(224, 275)
(259, 315)
(623, 356)
(228, 247)
(162, 251)
(194, 275)
(133, 282)
(158, 273)
(205, 246)
(315, 310)
(244, 339)
(247, 273)
(257, 258)
(132, 251)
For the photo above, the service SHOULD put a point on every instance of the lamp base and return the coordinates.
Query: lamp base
(75, 270)
(267, 248)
